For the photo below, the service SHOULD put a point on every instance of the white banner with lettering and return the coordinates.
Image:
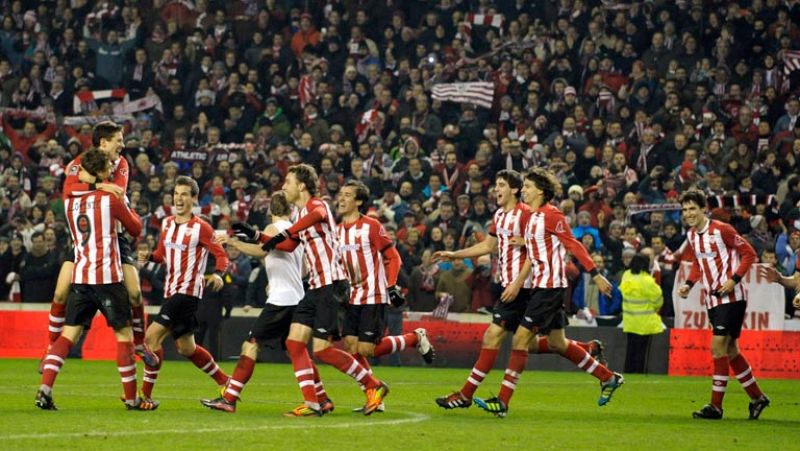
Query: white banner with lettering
(765, 303)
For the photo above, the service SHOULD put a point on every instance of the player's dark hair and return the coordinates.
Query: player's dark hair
(307, 175)
(105, 130)
(183, 180)
(545, 181)
(513, 178)
(362, 193)
(639, 263)
(94, 161)
(694, 196)
(278, 205)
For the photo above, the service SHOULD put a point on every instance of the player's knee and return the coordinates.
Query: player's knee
(60, 296)
(366, 349)
(492, 338)
(557, 345)
(250, 346)
(185, 349)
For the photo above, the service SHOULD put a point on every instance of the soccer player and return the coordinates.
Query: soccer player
(96, 282)
(316, 314)
(108, 138)
(547, 240)
(792, 282)
(505, 228)
(284, 273)
(372, 264)
(722, 258)
(183, 246)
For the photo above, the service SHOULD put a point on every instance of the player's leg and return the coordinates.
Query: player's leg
(130, 276)
(52, 364)
(326, 327)
(58, 307)
(296, 346)
(153, 357)
(741, 368)
(516, 365)
(720, 319)
(397, 343)
(201, 358)
(595, 348)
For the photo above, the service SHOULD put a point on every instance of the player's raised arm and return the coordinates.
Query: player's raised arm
(129, 219)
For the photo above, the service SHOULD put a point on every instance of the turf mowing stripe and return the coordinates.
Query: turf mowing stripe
(302, 424)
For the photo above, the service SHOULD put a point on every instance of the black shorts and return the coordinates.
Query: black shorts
(85, 300)
(178, 315)
(727, 319)
(509, 314)
(126, 254)
(272, 324)
(545, 310)
(70, 254)
(319, 309)
(367, 322)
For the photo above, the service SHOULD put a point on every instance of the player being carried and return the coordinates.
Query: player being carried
(107, 137)
(372, 264)
(96, 282)
(547, 240)
(316, 316)
(284, 266)
(183, 246)
(505, 229)
(721, 258)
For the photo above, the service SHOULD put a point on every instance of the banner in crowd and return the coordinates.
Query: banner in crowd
(765, 303)
(480, 93)
(134, 106)
(77, 121)
(84, 101)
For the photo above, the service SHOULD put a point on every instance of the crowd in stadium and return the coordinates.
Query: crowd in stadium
(629, 103)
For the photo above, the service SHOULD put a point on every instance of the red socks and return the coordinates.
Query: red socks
(151, 374)
(395, 343)
(584, 361)
(745, 376)
(543, 348)
(242, 373)
(719, 381)
(516, 364)
(126, 364)
(479, 371)
(137, 324)
(54, 360)
(345, 363)
(203, 360)
(303, 371)
(322, 396)
(57, 312)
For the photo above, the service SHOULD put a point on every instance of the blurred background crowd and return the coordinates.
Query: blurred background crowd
(629, 103)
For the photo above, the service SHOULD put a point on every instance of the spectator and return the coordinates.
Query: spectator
(641, 300)
(422, 285)
(38, 271)
(586, 295)
(454, 283)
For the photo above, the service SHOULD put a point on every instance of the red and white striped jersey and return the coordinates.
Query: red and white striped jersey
(548, 237)
(719, 254)
(74, 187)
(321, 247)
(91, 219)
(506, 225)
(361, 244)
(183, 249)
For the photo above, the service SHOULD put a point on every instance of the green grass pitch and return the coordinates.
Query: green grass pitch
(549, 411)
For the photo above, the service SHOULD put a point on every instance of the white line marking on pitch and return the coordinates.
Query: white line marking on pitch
(412, 418)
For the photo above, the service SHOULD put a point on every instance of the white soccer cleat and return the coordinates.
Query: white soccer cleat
(424, 346)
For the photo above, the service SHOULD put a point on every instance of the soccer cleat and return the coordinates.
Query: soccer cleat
(375, 397)
(454, 400)
(608, 388)
(326, 406)
(381, 408)
(219, 404)
(142, 404)
(303, 411)
(708, 412)
(44, 401)
(757, 405)
(493, 405)
(424, 346)
(596, 348)
(148, 356)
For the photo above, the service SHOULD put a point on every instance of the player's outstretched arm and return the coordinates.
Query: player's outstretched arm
(487, 246)
(126, 216)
